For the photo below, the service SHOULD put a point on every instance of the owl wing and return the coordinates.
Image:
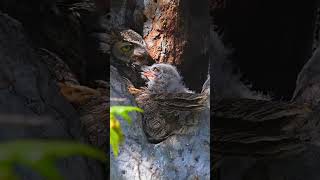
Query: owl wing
(92, 105)
(259, 128)
(167, 114)
(180, 101)
(94, 116)
(158, 127)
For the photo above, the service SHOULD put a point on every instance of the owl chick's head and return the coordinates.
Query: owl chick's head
(163, 78)
(130, 48)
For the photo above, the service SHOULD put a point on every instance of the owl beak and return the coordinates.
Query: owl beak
(149, 74)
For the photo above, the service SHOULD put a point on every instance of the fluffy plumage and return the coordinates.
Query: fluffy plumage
(169, 107)
(163, 78)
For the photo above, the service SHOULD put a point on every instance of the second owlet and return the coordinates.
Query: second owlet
(169, 107)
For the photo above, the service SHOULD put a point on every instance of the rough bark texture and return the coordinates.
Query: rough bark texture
(178, 157)
(173, 37)
(71, 29)
(166, 39)
(177, 32)
(27, 90)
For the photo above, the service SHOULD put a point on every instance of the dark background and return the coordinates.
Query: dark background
(271, 40)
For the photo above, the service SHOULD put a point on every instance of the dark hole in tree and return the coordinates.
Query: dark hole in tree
(272, 41)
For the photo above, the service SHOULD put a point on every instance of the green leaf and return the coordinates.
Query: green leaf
(7, 173)
(115, 141)
(123, 111)
(47, 169)
(116, 135)
(40, 155)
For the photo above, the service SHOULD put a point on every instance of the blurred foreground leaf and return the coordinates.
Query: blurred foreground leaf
(123, 111)
(116, 135)
(41, 155)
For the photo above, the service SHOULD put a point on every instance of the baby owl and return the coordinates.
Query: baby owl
(169, 107)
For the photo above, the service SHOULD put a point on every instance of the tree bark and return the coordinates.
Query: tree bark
(180, 156)
(74, 30)
(27, 90)
(177, 32)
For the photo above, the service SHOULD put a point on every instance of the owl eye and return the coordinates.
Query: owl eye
(155, 69)
(126, 48)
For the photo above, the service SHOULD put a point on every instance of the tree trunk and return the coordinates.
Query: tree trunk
(177, 32)
(27, 91)
(65, 28)
(167, 22)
